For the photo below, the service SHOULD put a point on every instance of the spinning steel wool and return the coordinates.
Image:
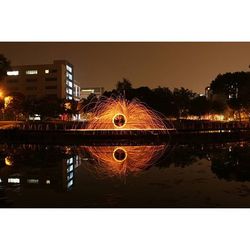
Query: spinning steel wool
(121, 114)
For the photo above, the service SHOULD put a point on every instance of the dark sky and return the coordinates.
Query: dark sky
(191, 65)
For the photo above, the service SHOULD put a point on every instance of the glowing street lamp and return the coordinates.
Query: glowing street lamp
(7, 101)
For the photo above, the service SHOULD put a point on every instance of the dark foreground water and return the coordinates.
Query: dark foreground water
(209, 175)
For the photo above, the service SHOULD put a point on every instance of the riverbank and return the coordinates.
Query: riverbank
(76, 137)
(73, 133)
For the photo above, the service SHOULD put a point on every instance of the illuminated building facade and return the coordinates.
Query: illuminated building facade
(86, 92)
(54, 80)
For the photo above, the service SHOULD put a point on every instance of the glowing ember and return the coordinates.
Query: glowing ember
(122, 160)
(119, 113)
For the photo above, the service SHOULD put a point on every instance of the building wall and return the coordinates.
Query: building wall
(85, 92)
(56, 80)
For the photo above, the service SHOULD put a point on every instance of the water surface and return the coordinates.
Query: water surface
(209, 175)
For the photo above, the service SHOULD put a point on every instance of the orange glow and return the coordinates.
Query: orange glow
(8, 161)
(7, 101)
(122, 160)
(120, 114)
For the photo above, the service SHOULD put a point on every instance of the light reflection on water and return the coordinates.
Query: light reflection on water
(209, 175)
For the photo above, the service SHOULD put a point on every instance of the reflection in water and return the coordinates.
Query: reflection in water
(232, 163)
(122, 160)
(34, 166)
(189, 175)
(8, 160)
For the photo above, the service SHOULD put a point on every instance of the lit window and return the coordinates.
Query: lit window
(70, 176)
(46, 71)
(70, 168)
(32, 181)
(69, 83)
(13, 180)
(70, 161)
(47, 181)
(70, 183)
(31, 72)
(69, 68)
(69, 91)
(13, 73)
(69, 75)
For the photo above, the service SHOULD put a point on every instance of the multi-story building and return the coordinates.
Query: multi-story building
(77, 91)
(85, 92)
(55, 80)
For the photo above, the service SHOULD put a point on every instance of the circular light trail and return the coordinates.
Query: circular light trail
(120, 154)
(119, 120)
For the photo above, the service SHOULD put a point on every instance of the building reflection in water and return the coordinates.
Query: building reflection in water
(33, 166)
(122, 160)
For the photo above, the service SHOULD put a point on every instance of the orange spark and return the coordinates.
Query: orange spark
(122, 114)
(122, 160)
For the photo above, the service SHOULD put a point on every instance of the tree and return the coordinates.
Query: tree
(199, 106)
(15, 105)
(123, 86)
(4, 66)
(49, 106)
(163, 101)
(233, 89)
(182, 98)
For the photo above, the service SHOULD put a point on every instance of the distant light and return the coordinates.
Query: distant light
(8, 161)
(32, 181)
(88, 90)
(0, 180)
(14, 180)
(47, 181)
(36, 117)
(31, 72)
(46, 71)
(13, 73)
(7, 100)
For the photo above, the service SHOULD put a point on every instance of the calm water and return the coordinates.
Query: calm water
(211, 175)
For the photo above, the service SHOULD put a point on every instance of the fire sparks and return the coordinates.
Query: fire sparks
(120, 113)
(122, 160)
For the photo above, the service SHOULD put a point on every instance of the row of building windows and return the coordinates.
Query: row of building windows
(30, 72)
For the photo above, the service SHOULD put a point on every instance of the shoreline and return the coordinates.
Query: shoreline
(81, 137)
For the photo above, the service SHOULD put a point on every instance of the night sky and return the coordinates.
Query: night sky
(191, 65)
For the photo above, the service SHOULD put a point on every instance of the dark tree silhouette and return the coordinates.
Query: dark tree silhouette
(199, 106)
(4, 66)
(123, 86)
